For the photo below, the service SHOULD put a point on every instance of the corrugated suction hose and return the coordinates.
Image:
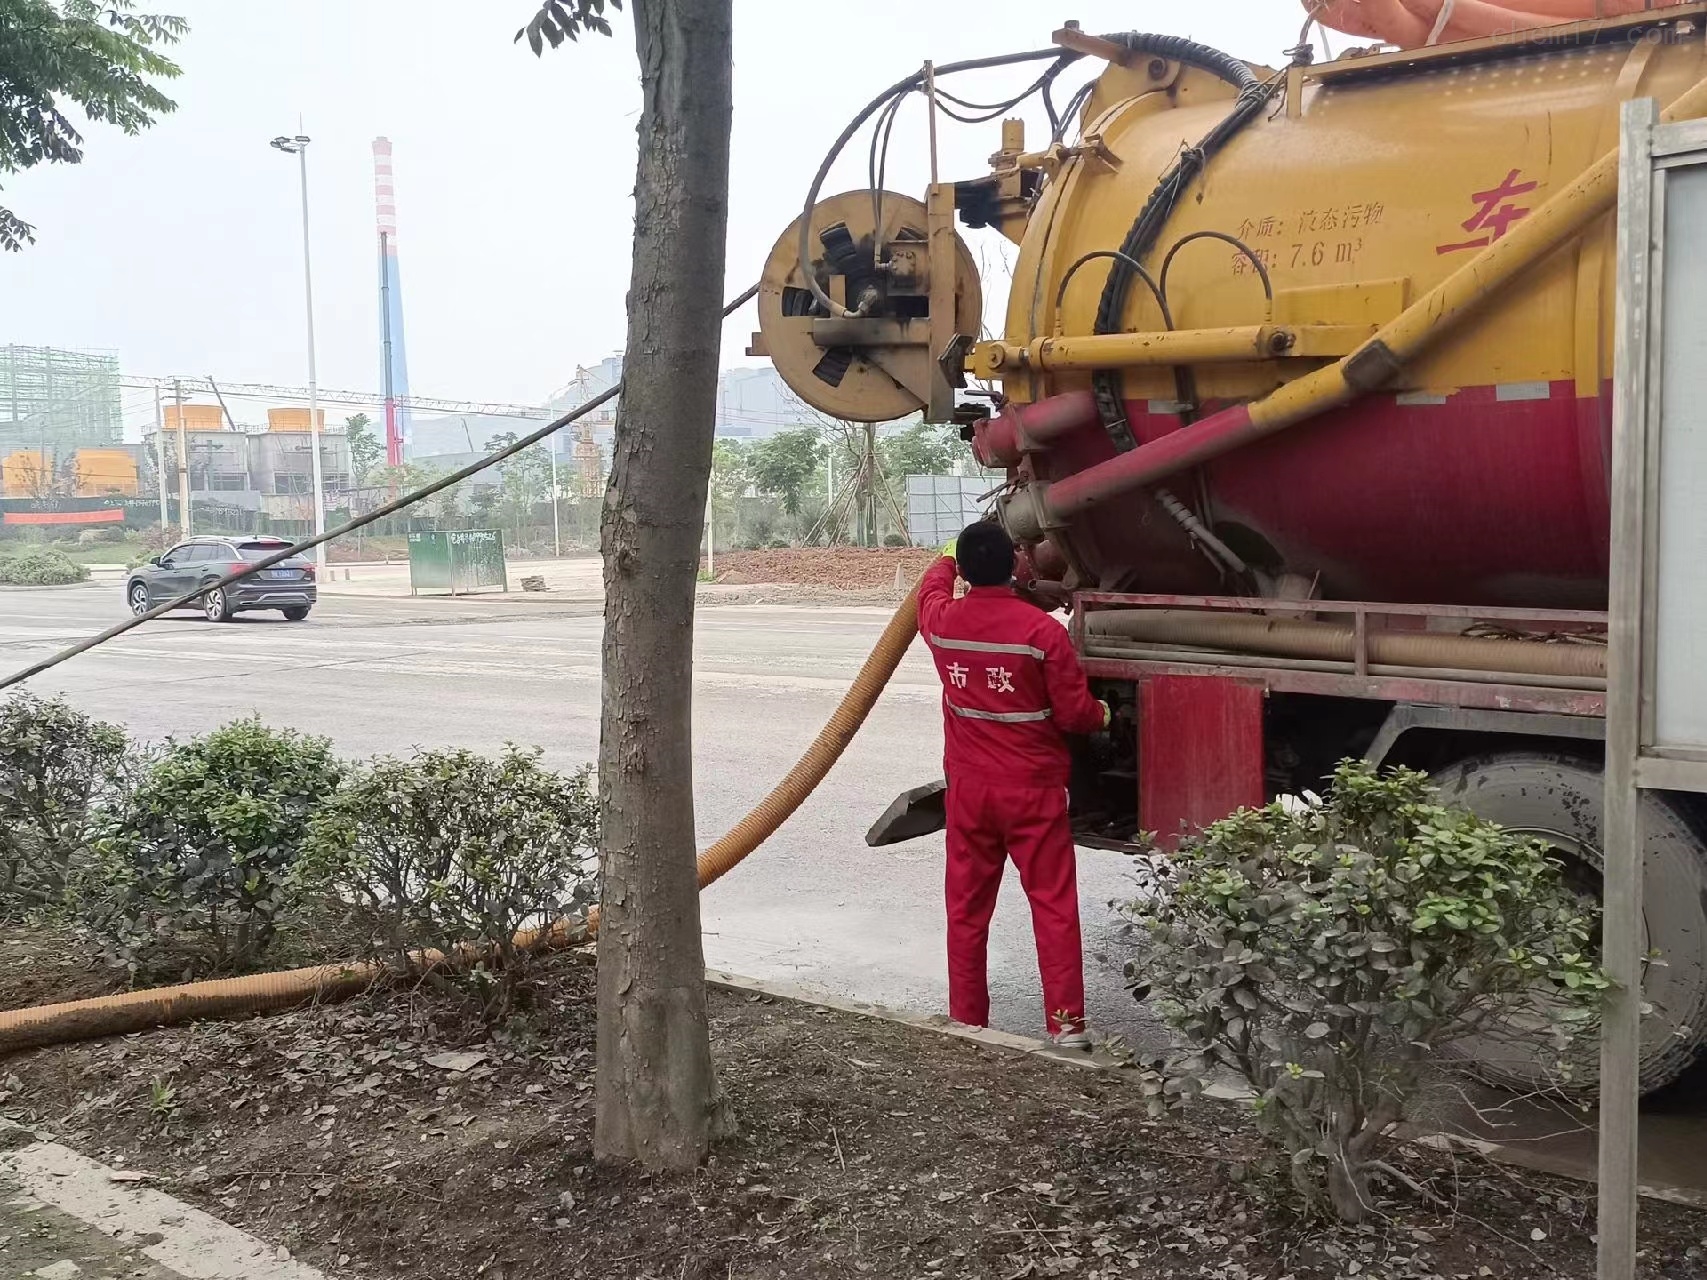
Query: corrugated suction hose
(263, 992)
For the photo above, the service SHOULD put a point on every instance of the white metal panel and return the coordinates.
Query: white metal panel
(939, 507)
(1680, 604)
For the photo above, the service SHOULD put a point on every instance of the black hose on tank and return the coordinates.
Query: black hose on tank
(1117, 287)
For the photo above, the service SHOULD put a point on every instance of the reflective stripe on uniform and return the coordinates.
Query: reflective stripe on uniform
(1000, 717)
(988, 646)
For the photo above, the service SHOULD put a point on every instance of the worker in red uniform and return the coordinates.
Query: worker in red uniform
(1011, 688)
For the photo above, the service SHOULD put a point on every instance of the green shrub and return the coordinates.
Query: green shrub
(1324, 952)
(761, 528)
(451, 850)
(57, 766)
(39, 567)
(194, 867)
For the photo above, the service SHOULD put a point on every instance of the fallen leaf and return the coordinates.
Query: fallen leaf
(457, 1061)
(1538, 1234)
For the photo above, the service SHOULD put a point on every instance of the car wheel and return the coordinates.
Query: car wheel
(139, 598)
(216, 606)
(295, 613)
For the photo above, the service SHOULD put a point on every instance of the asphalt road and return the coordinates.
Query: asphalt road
(814, 907)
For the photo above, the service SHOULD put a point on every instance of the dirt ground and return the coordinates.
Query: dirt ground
(836, 568)
(390, 1136)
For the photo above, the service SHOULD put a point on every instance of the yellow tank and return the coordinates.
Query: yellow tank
(1477, 472)
(103, 472)
(1367, 187)
(292, 419)
(196, 417)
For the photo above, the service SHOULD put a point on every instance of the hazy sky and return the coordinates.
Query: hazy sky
(181, 248)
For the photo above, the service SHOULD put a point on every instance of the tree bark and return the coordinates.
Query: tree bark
(657, 1099)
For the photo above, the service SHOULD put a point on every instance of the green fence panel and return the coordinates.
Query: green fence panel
(457, 560)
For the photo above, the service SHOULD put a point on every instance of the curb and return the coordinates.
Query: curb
(184, 1240)
(1518, 1155)
(1098, 1059)
(483, 597)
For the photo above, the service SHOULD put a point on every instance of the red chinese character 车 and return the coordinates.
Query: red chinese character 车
(1494, 213)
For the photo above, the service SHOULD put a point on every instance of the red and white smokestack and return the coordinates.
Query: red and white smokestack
(384, 192)
(394, 365)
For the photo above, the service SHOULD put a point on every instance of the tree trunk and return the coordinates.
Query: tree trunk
(657, 1097)
(1348, 1191)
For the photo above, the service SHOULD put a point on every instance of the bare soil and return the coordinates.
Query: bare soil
(392, 1136)
(838, 568)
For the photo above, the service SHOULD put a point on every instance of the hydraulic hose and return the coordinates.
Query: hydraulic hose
(903, 86)
(1147, 226)
(262, 992)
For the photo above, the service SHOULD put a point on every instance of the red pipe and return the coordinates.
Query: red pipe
(1048, 560)
(1148, 463)
(1020, 429)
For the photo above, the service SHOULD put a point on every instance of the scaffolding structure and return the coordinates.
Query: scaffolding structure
(58, 401)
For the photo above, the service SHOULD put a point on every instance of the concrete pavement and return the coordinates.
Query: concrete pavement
(815, 907)
(573, 577)
(66, 1217)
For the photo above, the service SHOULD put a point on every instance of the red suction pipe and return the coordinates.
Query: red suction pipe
(1021, 429)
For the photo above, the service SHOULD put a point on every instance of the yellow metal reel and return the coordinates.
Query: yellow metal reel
(883, 369)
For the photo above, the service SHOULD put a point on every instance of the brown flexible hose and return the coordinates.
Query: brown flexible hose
(1289, 638)
(261, 992)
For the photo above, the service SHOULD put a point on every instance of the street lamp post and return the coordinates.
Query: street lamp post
(556, 531)
(298, 147)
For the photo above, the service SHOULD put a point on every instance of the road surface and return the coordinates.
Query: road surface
(814, 907)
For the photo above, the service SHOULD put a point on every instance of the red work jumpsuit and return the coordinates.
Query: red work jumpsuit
(1011, 687)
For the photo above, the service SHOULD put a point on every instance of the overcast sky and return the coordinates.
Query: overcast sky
(181, 248)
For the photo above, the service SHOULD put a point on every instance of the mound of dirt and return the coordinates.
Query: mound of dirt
(839, 568)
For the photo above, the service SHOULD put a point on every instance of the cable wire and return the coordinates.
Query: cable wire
(1120, 259)
(350, 526)
(1253, 95)
(906, 85)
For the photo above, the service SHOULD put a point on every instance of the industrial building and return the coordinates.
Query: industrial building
(268, 472)
(60, 423)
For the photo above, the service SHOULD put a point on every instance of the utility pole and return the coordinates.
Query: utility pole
(183, 462)
(556, 529)
(160, 460)
(298, 146)
(711, 523)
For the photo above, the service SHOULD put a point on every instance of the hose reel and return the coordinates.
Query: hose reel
(914, 292)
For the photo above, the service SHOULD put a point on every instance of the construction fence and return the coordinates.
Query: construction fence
(939, 507)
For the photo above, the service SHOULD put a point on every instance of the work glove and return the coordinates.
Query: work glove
(948, 548)
(1107, 714)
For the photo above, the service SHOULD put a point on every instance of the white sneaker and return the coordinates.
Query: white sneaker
(1067, 1038)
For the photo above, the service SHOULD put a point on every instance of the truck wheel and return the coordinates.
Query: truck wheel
(1558, 798)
